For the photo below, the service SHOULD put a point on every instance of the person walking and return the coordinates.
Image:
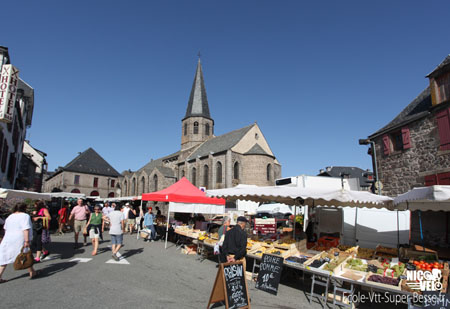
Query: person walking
(18, 234)
(131, 222)
(116, 230)
(41, 230)
(148, 223)
(63, 215)
(80, 213)
(95, 227)
(106, 210)
(126, 211)
(234, 246)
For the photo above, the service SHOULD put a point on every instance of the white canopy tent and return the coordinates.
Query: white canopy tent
(305, 196)
(434, 198)
(66, 195)
(275, 208)
(19, 194)
(196, 208)
(119, 199)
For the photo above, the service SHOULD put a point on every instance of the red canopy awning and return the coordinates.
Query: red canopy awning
(182, 192)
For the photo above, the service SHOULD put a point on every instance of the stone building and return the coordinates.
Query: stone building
(209, 161)
(88, 173)
(13, 130)
(413, 149)
(33, 167)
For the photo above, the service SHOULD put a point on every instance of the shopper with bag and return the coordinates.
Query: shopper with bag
(17, 239)
(80, 213)
(41, 230)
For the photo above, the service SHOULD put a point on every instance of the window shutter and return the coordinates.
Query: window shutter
(443, 179)
(430, 180)
(444, 129)
(386, 145)
(406, 138)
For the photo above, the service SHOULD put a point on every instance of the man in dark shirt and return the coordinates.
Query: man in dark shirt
(235, 244)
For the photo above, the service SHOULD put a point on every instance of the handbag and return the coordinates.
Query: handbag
(37, 225)
(24, 260)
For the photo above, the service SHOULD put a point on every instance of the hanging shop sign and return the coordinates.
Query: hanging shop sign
(9, 80)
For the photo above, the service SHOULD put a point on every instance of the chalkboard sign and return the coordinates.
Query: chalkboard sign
(436, 300)
(269, 273)
(230, 286)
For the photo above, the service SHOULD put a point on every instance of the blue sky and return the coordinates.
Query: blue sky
(315, 75)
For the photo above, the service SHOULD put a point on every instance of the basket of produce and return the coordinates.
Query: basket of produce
(259, 252)
(356, 265)
(286, 244)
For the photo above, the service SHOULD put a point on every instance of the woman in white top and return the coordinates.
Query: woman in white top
(18, 233)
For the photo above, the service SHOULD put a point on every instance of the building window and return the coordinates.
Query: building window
(207, 129)
(133, 187)
(4, 156)
(185, 129)
(113, 182)
(76, 179)
(94, 193)
(142, 184)
(12, 167)
(437, 179)
(397, 141)
(194, 176)
(443, 122)
(125, 188)
(95, 182)
(269, 172)
(155, 182)
(111, 194)
(443, 88)
(196, 127)
(219, 172)
(75, 191)
(206, 176)
(236, 171)
(183, 174)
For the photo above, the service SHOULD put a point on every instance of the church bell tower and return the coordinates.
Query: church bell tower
(197, 125)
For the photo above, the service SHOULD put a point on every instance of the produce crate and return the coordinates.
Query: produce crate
(383, 285)
(408, 253)
(328, 241)
(358, 272)
(299, 255)
(365, 253)
(282, 252)
(281, 245)
(386, 252)
(262, 249)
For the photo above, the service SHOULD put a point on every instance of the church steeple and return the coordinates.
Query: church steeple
(198, 102)
(197, 124)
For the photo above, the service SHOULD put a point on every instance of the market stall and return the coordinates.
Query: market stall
(184, 197)
(9, 194)
(425, 203)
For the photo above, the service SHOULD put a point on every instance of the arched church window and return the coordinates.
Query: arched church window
(206, 176)
(219, 172)
(196, 127)
(207, 129)
(236, 171)
(185, 129)
(194, 176)
(269, 172)
(155, 182)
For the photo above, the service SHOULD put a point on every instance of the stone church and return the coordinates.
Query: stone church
(242, 156)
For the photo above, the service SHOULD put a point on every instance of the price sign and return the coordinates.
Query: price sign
(265, 226)
(269, 273)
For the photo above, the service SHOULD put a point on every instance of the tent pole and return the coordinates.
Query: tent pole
(167, 227)
(398, 235)
(295, 220)
(356, 226)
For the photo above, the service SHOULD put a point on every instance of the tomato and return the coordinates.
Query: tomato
(416, 263)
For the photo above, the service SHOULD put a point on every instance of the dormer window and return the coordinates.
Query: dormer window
(443, 88)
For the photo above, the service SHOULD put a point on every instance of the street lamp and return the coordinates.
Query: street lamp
(374, 159)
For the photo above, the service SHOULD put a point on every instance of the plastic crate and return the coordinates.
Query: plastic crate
(328, 241)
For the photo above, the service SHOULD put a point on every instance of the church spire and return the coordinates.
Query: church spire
(198, 102)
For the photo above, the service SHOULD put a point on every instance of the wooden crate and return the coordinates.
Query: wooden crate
(386, 252)
(408, 253)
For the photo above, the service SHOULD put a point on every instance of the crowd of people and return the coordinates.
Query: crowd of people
(24, 231)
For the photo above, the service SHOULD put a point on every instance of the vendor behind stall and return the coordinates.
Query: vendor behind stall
(235, 244)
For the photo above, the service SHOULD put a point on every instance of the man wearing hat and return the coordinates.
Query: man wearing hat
(235, 244)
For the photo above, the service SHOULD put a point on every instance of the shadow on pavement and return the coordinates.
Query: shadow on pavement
(66, 249)
(55, 268)
(131, 252)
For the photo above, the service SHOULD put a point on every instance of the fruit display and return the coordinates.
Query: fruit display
(320, 248)
(275, 251)
(364, 253)
(319, 262)
(335, 262)
(214, 236)
(298, 259)
(259, 251)
(356, 264)
(387, 269)
(383, 279)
